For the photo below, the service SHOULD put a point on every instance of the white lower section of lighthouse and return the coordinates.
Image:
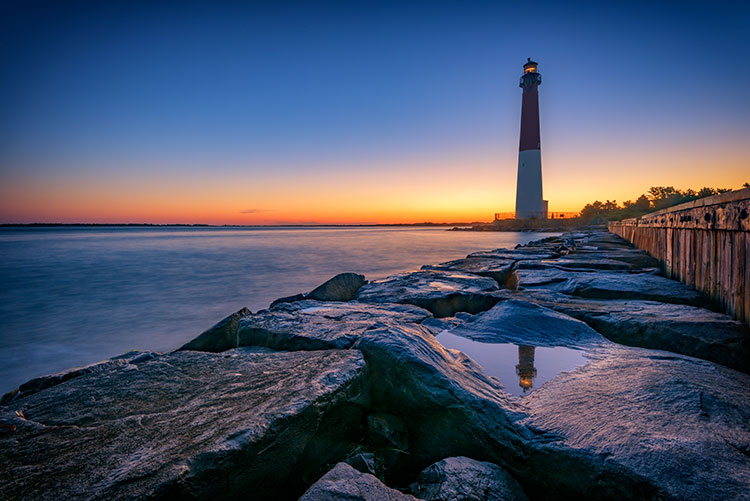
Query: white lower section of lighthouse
(529, 202)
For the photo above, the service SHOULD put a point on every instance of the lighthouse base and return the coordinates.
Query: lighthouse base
(529, 203)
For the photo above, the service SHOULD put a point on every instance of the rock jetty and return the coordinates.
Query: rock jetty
(347, 393)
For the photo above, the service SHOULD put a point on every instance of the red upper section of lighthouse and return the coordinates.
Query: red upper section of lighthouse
(530, 138)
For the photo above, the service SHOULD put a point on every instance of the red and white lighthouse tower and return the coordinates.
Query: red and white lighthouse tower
(529, 202)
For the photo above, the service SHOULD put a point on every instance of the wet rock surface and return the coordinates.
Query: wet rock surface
(680, 423)
(345, 483)
(527, 323)
(219, 337)
(495, 268)
(356, 384)
(684, 329)
(611, 285)
(466, 479)
(42, 383)
(186, 425)
(342, 287)
(307, 325)
(443, 293)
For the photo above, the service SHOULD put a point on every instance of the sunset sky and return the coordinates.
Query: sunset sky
(360, 112)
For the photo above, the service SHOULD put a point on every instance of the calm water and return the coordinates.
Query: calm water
(74, 296)
(521, 369)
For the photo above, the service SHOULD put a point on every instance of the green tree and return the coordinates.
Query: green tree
(643, 203)
(659, 197)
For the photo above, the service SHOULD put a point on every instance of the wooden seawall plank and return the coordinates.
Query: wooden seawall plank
(705, 243)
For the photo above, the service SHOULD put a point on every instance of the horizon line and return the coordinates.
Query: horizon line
(285, 225)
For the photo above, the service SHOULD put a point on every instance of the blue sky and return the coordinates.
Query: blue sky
(269, 92)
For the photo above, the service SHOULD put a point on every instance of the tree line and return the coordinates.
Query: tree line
(658, 197)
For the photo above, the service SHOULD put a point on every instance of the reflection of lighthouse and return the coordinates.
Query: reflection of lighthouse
(525, 368)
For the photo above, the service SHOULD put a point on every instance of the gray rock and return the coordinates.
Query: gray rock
(689, 330)
(523, 322)
(681, 423)
(634, 286)
(462, 478)
(443, 293)
(635, 257)
(544, 275)
(497, 269)
(451, 407)
(612, 285)
(41, 383)
(221, 335)
(310, 325)
(515, 254)
(186, 425)
(602, 240)
(444, 399)
(437, 325)
(592, 262)
(678, 328)
(345, 483)
(287, 299)
(342, 287)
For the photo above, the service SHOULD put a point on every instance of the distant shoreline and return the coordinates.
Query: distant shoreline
(198, 225)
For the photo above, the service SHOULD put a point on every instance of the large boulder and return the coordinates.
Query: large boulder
(592, 262)
(444, 293)
(342, 287)
(679, 328)
(541, 275)
(680, 423)
(451, 407)
(307, 325)
(468, 480)
(620, 425)
(535, 253)
(634, 257)
(43, 382)
(344, 483)
(612, 285)
(602, 240)
(444, 400)
(221, 336)
(526, 323)
(497, 269)
(186, 425)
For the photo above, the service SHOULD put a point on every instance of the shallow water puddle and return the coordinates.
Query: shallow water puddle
(521, 369)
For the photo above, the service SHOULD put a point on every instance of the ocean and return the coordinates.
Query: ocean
(71, 296)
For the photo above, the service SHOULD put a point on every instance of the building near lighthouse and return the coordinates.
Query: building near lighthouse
(529, 199)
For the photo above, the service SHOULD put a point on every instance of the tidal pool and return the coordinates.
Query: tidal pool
(520, 368)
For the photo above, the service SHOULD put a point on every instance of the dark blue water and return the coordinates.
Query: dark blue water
(74, 296)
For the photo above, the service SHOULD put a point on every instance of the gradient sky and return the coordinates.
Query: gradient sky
(274, 112)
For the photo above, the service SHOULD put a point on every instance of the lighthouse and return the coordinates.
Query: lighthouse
(529, 202)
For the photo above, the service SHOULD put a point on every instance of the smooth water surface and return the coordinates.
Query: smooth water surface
(71, 296)
(521, 369)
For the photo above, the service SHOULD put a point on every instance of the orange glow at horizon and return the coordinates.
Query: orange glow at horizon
(445, 190)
